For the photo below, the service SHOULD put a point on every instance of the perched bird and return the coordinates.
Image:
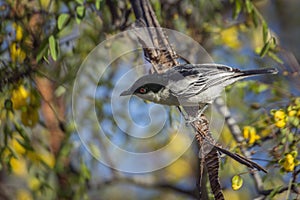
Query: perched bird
(190, 84)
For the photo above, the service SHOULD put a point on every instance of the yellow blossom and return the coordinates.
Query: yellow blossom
(17, 146)
(48, 158)
(45, 157)
(292, 113)
(249, 133)
(16, 53)
(19, 32)
(18, 166)
(230, 38)
(279, 115)
(289, 164)
(280, 123)
(280, 118)
(19, 97)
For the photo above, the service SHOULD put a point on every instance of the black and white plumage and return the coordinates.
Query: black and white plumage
(194, 86)
(190, 84)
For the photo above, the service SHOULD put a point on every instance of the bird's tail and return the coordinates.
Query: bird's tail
(241, 159)
(254, 72)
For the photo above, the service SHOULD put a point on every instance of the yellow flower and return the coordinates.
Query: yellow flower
(16, 53)
(18, 166)
(19, 97)
(236, 182)
(279, 115)
(230, 38)
(23, 195)
(250, 135)
(280, 123)
(19, 32)
(17, 146)
(289, 164)
(292, 113)
(280, 118)
(48, 158)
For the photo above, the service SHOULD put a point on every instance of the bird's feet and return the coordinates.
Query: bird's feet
(190, 120)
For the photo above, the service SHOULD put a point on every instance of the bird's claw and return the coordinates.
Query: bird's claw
(192, 120)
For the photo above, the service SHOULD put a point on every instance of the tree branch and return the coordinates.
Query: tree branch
(164, 57)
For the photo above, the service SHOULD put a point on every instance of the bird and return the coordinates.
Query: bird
(190, 85)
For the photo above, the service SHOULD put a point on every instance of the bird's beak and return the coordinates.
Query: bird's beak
(126, 93)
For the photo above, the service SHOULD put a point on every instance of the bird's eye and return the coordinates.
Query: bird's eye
(142, 90)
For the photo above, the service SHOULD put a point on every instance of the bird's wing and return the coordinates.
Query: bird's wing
(190, 79)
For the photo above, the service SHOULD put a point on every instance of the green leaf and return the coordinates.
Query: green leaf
(265, 31)
(290, 138)
(275, 57)
(85, 172)
(261, 87)
(62, 19)
(294, 153)
(255, 18)
(265, 49)
(80, 1)
(95, 151)
(42, 52)
(53, 47)
(249, 6)
(295, 121)
(238, 8)
(283, 140)
(97, 4)
(274, 40)
(274, 192)
(157, 9)
(236, 182)
(13, 152)
(80, 10)
(60, 91)
(8, 104)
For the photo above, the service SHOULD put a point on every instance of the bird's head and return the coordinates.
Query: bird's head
(149, 87)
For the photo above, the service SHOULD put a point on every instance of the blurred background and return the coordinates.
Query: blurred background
(43, 44)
